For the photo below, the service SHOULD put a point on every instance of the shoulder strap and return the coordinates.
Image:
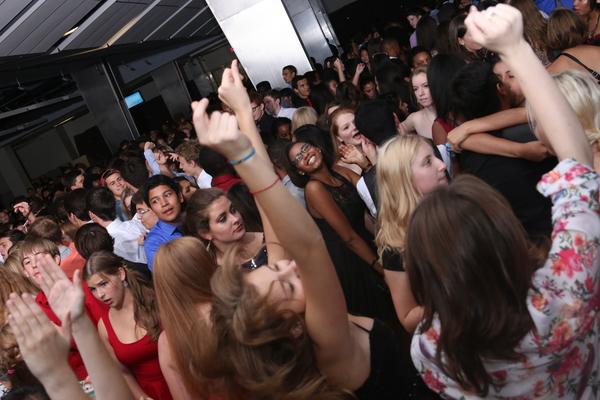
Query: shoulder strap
(595, 74)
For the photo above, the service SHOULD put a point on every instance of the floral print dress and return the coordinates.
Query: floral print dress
(562, 353)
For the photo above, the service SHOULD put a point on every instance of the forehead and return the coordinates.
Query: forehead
(113, 177)
(344, 118)
(95, 279)
(220, 205)
(261, 279)
(159, 190)
(423, 150)
(419, 79)
(500, 68)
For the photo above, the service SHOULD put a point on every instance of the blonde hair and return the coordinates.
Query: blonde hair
(583, 95)
(398, 196)
(304, 116)
(14, 260)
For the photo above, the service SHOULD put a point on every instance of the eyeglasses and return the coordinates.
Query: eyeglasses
(143, 211)
(303, 150)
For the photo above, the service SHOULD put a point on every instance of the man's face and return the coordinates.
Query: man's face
(421, 59)
(412, 20)
(288, 75)
(165, 202)
(257, 110)
(188, 167)
(116, 184)
(3, 217)
(303, 89)
(5, 245)
(270, 105)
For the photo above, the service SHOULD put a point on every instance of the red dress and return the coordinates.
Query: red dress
(141, 358)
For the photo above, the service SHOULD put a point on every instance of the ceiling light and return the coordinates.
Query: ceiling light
(67, 33)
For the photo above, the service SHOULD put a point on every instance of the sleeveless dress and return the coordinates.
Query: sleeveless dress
(141, 358)
(392, 375)
(365, 290)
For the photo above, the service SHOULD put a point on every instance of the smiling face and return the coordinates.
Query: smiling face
(109, 289)
(421, 89)
(165, 202)
(346, 129)
(305, 157)
(427, 170)
(225, 223)
(116, 184)
(271, 105)
(281, 284)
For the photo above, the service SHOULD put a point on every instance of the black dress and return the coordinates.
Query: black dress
(364, 289)
(392, 375)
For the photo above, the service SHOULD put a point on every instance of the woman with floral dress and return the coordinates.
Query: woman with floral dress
(500, 319)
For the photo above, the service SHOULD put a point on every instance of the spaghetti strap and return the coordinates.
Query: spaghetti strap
(594, 73)
(361, 327)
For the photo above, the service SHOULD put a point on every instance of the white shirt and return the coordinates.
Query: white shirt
(364, 194)
(204, 180)
(126, 235)
(286, 112)
(296, 191)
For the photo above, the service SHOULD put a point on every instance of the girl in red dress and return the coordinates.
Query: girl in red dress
(130, 328)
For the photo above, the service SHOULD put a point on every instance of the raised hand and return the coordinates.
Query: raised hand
(498, 28)
(232, 91)
(66, 298)
(42, 344)
(350, 154)
(222, 133)
(360, 68)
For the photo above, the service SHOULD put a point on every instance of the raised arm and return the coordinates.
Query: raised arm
(235, 95)
(500, 29)
(325, 315)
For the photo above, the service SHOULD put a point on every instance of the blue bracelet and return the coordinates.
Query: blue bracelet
(245, 158)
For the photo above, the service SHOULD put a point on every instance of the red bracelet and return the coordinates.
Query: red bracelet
(254, 193)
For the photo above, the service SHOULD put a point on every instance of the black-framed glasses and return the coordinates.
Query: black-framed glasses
(303, 150)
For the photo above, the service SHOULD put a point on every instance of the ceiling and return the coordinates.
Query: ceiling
(41, 26)
(42, 41)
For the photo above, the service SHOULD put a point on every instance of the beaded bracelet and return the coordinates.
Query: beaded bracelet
(254, 193)
(245, 158)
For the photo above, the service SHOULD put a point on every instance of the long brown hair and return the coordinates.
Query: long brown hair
(534, 30)
(10, 282)
(470, 265)
(145, 311)
(182, 272)
(263, 351)
(197, 218)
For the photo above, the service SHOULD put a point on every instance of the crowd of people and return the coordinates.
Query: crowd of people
(416, 218)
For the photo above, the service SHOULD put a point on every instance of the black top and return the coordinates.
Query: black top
(261, 258)
(392, 260)
(265, 127)
(392, 375)
(516, 179)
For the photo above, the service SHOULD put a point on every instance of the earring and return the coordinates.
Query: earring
(208, 245)
(301, 172)
(125, 283)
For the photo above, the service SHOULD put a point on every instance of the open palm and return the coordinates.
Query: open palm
(65, 297)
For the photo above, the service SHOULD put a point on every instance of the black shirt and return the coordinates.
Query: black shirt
(516, 179)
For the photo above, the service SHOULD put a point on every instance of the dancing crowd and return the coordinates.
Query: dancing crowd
(416, 218)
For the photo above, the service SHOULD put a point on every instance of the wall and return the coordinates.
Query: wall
(334, 5)
(42, 154)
